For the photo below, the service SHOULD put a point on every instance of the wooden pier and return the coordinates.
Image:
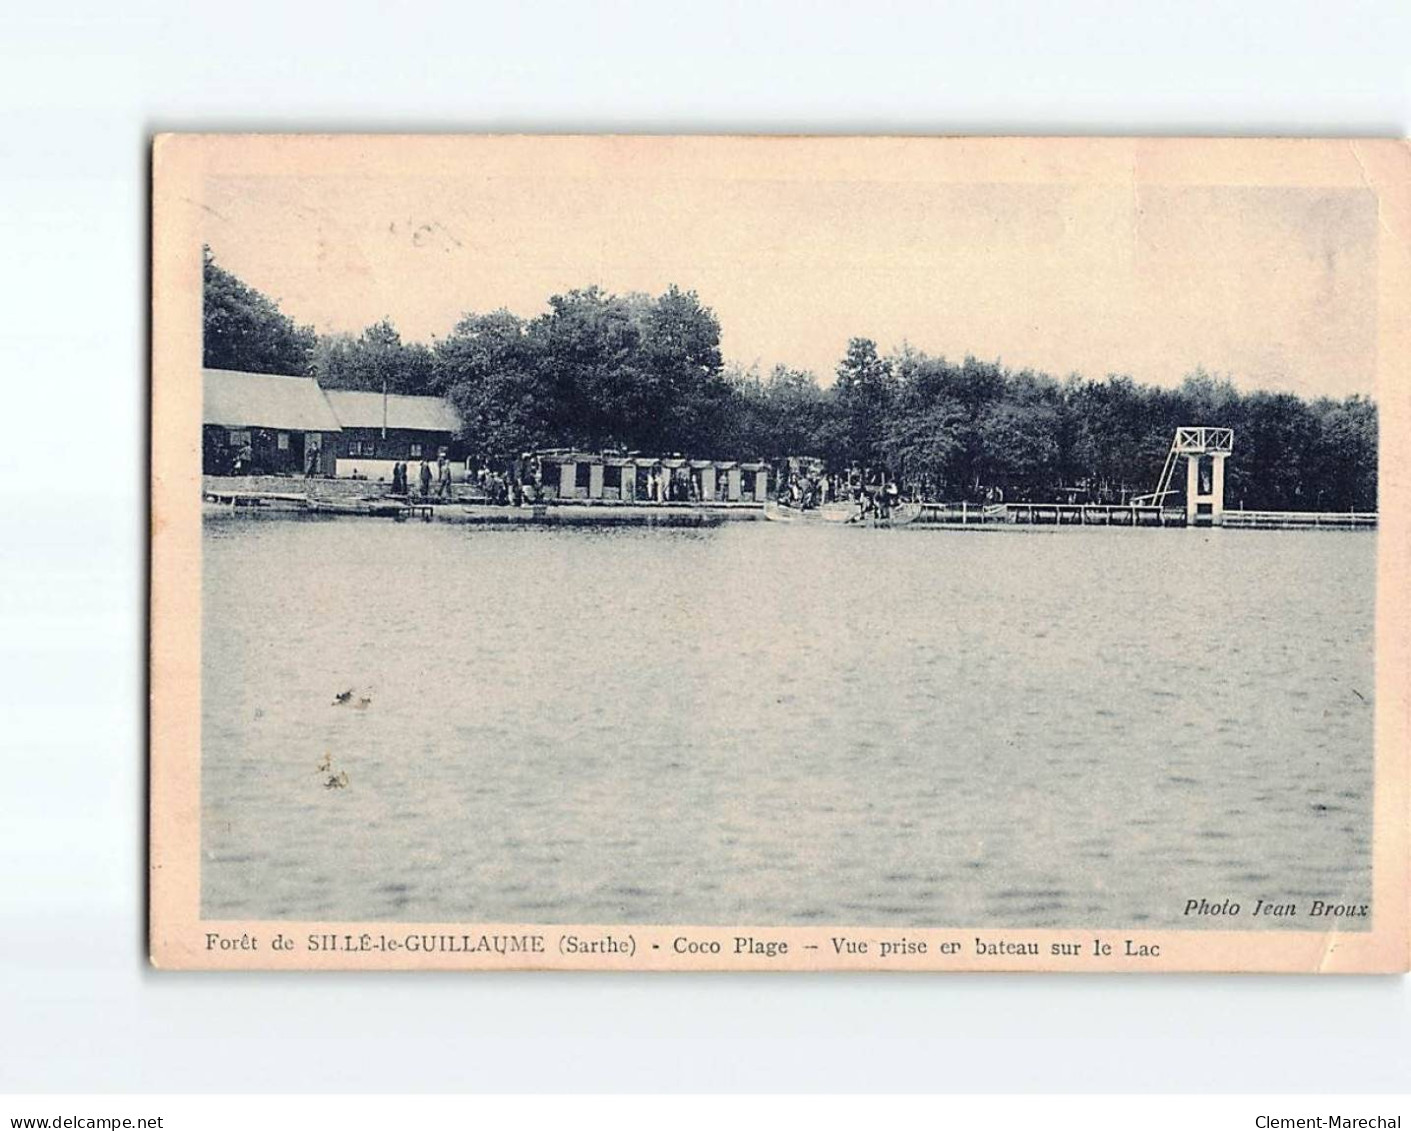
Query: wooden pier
(1050, 514)
(594, 512)
(1301, 520)
(277, 502)
(1135, 514)
(1094, 514)
(234, 499)
(962, 514)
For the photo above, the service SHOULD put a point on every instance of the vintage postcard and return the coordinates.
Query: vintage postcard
(676, 553)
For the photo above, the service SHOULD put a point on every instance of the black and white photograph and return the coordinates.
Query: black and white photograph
(646, 565)
(799, 552)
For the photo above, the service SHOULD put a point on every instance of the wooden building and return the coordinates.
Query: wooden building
(271, 424)
(377, 428)
(264, 423)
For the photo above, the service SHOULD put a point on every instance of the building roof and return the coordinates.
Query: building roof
(356, 408)
(265, 400)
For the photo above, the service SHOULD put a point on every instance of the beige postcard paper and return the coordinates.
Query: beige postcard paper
(763, 553)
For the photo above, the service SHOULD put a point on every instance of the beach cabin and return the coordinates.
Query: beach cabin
(619, 479)
(702, 480)
(565, 474)
(754, 481)
(381, 429)
(265, 424)
(645, 471)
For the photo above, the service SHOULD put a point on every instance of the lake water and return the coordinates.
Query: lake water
(783, 725)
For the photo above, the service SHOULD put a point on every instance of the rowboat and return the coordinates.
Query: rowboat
(901, 514)
(844, 514)
(838, 512)
(778, 512)
(828, 512)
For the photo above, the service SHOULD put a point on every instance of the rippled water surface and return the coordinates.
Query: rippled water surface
(759, 724)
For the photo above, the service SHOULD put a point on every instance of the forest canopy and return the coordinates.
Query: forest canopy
(645, 373)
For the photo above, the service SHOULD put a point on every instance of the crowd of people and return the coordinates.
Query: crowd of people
(425, 477)
(808, 489)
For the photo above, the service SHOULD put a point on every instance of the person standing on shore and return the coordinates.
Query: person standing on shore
(443, 484)
(425, 477)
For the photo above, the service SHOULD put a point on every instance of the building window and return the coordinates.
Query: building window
(416, 451)
(240, 439)
(612, 476)
(284, 441)
(582, 475)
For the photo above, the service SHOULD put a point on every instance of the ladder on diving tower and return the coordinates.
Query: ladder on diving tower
(1163, 485)
(1205, 504)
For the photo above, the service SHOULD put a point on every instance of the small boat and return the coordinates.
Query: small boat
(838, 512)
(900, 514)
(782, 512)
(843, 514)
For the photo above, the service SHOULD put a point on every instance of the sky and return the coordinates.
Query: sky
(1274, 286)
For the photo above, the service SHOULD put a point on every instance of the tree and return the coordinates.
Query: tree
(863, 392)
(924, 447)
(1019, 446)
(376, 359)
(928, 430)
(488, 370)
(586, 349)
(244, 330)
(1271, 470)
(679, 373)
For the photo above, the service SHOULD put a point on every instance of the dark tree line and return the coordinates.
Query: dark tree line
(242, 329)
(645, 373)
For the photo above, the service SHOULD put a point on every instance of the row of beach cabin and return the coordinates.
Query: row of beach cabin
(589, 476)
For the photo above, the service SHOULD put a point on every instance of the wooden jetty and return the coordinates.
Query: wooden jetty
(1134, 514)
(962, 514)
(1301, 520)
(1049, 514)
(1145, 511)
(1095, 514)
(375, 508)
(283, 502)
(542, 514)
